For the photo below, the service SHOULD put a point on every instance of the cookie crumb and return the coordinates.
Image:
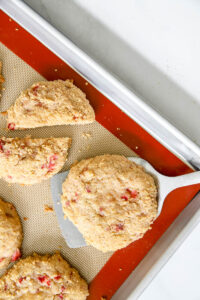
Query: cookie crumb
(104, 298)
(86, 135)
(120, 269)
(25, 218)
(118, 128)
(48, 208)
(136, 147)
(10, 20)
(86, 83)
(3, 113)
(55, 70)
(16, 29)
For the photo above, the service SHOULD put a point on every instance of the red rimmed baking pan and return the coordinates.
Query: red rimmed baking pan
(131, 121)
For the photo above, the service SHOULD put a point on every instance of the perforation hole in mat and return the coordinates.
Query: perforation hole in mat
(41, 230)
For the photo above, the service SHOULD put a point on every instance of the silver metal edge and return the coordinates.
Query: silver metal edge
(106, 83)
(150, 120)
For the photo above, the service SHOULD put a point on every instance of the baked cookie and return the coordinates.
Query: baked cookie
(43, 277)
(49, 103)
(29, 161)
(111, 200)
(1, 78)
(10, 234)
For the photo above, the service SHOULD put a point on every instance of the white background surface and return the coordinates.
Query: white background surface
(154, 47)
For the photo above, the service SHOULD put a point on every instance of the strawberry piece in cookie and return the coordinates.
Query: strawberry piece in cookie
(16, 255)
(11, 126)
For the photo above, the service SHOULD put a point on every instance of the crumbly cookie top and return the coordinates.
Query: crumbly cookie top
(29, 161)
(111, 200)
(49, 103)
(10, 234)
(43, 277)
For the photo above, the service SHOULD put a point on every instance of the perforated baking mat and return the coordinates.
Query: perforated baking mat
(25, 61)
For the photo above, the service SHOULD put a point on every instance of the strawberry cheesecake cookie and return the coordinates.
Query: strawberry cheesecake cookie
(111, 200)
(10, 234)
(29, 161)
(49, 103)
(43, 277)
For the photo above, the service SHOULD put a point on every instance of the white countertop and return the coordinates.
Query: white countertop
(154, 47)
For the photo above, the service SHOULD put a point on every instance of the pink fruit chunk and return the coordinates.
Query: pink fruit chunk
(48, 282)
(67, 203)
(16, 255)
(44, 279)
(21, 279)
(133, 193)
(62, 288)
(44, 166)
(2, 143)
(57, 277)
(34, 89)
(124, 197)
(119, 227)
(88, 190)
(52, 162)
(60, 296)
(7, 153)
(11, 126)
(1, 259)
(101, 211)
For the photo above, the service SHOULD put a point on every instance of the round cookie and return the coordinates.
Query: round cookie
(111, 200)
(43, 277)
(10, 234)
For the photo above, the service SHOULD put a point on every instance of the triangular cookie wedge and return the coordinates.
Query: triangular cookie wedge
(49, 103)
(29, 161)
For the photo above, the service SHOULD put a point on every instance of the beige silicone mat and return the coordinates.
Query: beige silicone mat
(41, 230)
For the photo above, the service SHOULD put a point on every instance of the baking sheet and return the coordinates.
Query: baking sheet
(123, 262)
(41, 231)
